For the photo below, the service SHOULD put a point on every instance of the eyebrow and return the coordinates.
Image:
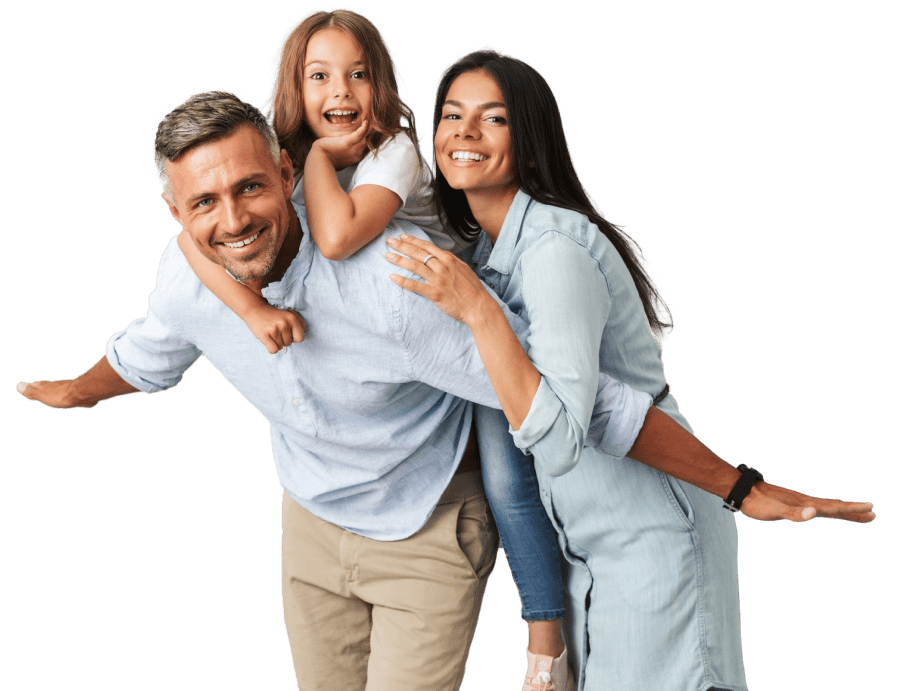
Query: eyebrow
(329, 64)
(482, 106)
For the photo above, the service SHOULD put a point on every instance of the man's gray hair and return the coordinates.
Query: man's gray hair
(205, 118)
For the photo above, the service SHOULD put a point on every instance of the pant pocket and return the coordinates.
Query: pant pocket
(477, 535)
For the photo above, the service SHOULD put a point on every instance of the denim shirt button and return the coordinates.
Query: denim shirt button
(296, 401)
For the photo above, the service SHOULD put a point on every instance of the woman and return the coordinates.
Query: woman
(652, 564)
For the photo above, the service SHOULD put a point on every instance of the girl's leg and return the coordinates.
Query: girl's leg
(530, 540)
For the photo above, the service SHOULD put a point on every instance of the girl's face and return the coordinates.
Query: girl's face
(473, 142)
(336, 88)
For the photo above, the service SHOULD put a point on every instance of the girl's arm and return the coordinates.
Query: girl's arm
(340, 222)
(275, 328)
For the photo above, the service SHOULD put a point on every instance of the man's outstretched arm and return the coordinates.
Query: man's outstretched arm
(668, 447)
(98, 383)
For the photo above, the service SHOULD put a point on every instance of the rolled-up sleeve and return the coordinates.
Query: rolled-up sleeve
(149, 354)
(566, 302)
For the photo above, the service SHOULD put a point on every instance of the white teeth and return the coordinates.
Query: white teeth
(242, 243)
(341, 112)
(467, 156)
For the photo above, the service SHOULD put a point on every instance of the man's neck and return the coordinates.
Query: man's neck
(287, 254)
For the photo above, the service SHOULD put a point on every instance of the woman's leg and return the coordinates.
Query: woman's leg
(652, 573)
(530, 541)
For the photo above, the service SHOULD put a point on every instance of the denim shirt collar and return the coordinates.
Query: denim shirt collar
(299, 268)
(501, 257)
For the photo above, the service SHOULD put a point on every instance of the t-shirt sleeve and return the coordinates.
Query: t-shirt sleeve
(395, 165)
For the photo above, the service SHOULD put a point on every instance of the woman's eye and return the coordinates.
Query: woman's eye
(451, 116)
(496, 119)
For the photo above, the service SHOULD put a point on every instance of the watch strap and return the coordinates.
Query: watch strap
(748, 477)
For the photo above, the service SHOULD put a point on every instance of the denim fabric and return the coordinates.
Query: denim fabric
(367, 415)
(653, 598)
(529, 539)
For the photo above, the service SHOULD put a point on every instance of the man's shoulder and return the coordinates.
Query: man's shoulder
(372, 257)
(177, 284)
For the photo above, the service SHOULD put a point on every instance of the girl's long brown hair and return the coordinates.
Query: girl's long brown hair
(295, 136)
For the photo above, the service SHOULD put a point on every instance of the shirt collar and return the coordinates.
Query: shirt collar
(300, 266)
(502, 255)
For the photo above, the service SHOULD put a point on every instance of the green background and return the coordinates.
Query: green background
(756, 148)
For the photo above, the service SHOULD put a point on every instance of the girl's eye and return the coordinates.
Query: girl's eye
(360, 74)
(318, 75)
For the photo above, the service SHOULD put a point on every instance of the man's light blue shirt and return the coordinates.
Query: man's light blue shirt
(370, 414)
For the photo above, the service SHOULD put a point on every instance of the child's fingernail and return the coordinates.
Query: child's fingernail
(405, 237)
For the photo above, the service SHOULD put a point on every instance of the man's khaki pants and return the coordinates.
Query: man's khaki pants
(387, 616)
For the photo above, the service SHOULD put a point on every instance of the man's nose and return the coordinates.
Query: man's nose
(234, 218)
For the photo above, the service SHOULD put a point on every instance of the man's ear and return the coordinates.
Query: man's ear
(172, 207)
(286, 174)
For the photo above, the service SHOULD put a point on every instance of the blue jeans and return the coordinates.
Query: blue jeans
(530, 541)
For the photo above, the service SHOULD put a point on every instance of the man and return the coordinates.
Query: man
(388, 540)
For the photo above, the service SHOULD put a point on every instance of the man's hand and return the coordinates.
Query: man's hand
(344, 150)
(98, 383)
(767, 502)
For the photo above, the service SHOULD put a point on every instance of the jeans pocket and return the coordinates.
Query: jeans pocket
(679, 500)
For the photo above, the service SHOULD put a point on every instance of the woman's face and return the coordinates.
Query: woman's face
(336, 88)
(473, 142)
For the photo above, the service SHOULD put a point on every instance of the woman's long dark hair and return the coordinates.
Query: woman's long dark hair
(542, 164)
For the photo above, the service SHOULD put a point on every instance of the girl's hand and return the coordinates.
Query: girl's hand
(345, 150)
(276, 328)
(449, 282)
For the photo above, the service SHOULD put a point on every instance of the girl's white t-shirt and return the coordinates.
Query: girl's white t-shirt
(397, 166)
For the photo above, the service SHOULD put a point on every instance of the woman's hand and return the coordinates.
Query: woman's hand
(449, 282)
(345, 150)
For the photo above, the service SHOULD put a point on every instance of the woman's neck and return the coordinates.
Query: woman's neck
(489, 209)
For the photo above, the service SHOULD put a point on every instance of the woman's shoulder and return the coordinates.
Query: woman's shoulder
(541, 219)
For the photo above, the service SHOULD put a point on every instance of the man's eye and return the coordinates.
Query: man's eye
(252, 186)
(204, 203)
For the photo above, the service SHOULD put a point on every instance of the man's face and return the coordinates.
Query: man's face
(232, 199)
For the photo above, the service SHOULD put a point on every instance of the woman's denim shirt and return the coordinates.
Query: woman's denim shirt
(564, 277)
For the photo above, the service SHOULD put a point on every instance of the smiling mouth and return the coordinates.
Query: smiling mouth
(242, 243)
(467, 156)
(338, 116)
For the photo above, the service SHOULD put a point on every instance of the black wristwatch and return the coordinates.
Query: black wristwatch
(748, 478)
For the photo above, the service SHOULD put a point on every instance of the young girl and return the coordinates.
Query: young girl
(338, 114)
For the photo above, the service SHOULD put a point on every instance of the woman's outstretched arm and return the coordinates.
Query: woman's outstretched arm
(661, 443)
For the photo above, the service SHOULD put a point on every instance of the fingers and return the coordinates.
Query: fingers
(410, 284)
(769, 503)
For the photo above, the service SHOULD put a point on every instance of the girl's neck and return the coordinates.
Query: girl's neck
(489, 209)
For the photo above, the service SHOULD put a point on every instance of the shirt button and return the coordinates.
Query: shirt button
(296, 401)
